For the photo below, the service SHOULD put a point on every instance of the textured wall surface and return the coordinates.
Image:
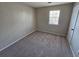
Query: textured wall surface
(43, 19)
(16, 21)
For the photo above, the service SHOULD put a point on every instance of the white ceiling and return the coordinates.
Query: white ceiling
(43, 4)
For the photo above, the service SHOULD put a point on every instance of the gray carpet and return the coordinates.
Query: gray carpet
(39, 44)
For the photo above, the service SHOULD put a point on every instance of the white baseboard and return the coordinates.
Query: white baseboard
(53, 33)
(15, 41)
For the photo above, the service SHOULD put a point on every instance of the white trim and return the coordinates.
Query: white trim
(53, 33)
(71, 48)
(72, 51)
(16, 41)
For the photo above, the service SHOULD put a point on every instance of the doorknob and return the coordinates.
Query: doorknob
(72, 29)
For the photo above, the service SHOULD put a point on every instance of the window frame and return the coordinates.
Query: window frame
(55, 16)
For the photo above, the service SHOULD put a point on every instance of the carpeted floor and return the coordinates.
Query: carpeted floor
(39, 44)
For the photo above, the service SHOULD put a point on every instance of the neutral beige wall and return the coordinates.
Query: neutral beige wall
(16, 21)
(43, 18)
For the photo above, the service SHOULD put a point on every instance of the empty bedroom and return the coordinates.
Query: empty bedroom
(39, 29)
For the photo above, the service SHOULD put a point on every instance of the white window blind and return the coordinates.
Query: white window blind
(54, 17)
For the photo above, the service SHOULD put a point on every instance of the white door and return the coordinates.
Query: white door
(75, 38)
(72, 24)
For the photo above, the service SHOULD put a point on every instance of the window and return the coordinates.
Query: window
(54, 17)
